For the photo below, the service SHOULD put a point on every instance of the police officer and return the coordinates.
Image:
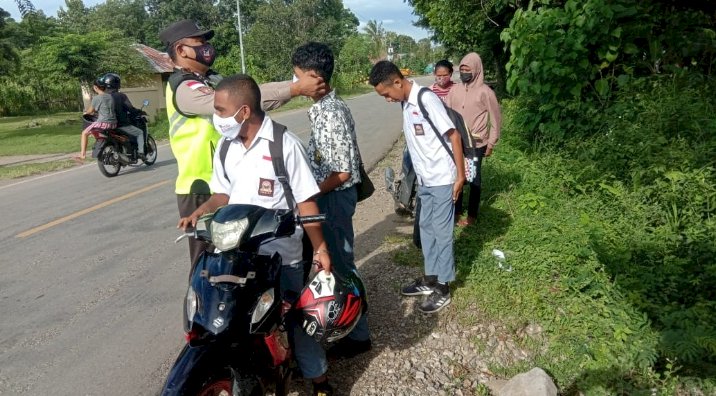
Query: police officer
(190, 105)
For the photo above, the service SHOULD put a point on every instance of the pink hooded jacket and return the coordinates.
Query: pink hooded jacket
(477, 104)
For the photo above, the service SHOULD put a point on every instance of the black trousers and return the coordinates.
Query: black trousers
(187, 204)
(473, 205)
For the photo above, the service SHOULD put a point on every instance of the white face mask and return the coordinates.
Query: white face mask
(228, 127)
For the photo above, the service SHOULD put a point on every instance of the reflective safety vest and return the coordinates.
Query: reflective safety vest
(193, 141)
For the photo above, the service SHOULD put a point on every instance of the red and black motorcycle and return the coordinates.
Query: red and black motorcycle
(115, 149)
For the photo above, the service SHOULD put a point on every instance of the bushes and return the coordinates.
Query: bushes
(612, 241)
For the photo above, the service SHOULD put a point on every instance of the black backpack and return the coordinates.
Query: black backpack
(276, 150)
(457, 120)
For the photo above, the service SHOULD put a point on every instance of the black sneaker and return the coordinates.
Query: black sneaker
(436, 301)
(322, 389)
(420, 287)
(347, 348)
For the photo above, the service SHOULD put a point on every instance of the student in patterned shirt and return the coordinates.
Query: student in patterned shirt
(335, 160)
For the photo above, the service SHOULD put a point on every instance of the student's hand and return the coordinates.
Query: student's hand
(189, 221)
(457, 189)
(488, 152)
(310, 85)
(323, 259)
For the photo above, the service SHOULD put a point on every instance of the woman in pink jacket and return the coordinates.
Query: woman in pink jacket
(477, 104)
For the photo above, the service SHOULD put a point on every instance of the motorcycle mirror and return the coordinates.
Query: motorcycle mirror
(146, 102)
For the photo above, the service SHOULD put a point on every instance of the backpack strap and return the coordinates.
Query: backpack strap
(279, 167)
(276, 151)
(427, 117)
(223, 149)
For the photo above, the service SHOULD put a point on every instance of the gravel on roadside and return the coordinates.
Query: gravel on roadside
(413, 353)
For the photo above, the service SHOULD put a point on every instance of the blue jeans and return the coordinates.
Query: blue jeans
(310, 355)
(437, 221)
(339, 208)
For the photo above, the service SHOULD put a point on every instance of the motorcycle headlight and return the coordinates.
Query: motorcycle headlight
(263, 306)
(227, 236)
(192, 302)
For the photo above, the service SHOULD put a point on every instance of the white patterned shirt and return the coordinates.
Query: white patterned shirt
(333, 146)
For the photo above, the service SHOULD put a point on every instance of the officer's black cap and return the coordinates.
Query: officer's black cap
(183, 29)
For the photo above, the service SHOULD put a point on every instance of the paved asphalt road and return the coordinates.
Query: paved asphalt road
(92, 284)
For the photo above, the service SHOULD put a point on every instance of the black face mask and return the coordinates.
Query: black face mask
(465, 77)
(205, 53)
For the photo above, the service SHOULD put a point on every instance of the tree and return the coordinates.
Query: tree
(326, 21)
(25, 7)
(75, 17)
(354, 62)
(375, 31)
(84, 57)
(126, 16)
(463, 27)
(8, 54)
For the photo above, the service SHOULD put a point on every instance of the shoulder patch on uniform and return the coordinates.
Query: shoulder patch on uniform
(200, 86)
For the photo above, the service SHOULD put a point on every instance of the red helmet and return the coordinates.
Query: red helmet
(331, 306)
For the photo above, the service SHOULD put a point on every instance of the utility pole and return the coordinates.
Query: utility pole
(241, 34)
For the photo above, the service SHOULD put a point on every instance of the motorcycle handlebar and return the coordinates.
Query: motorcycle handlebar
(312, 219)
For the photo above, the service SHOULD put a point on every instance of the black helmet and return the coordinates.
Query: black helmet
(110, 80)
(100, 82)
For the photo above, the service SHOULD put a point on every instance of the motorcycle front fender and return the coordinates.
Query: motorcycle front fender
(193, 366)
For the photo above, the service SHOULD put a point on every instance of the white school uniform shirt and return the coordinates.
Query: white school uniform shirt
(254, 182)
(433, 165)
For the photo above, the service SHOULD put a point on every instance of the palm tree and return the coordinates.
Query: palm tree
(375, 31)
(25, 7)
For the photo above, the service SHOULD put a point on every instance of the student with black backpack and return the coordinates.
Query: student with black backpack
(260, 163)
(435, 148)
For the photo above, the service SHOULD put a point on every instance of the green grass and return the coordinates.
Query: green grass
(13, 172)
(594, 339)
(42, 134)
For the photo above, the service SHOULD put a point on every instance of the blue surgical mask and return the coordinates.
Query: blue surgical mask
(228, 127)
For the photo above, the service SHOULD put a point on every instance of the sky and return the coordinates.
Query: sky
(396, 15)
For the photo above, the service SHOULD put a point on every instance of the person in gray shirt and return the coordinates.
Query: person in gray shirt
(124, 110)
(103, 106)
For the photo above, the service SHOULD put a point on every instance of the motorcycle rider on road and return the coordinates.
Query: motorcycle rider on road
(123, 109)
(190, 106)
(247, 177)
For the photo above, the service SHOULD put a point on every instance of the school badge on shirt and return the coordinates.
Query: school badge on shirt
(266, 187)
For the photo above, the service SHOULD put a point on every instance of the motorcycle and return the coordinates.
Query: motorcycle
(404, 189)
(115, 149)
(235, 313)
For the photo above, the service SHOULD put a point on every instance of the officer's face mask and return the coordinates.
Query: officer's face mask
(228, 127)
(205, 53)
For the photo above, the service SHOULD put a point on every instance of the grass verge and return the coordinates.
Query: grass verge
(17, 171)
(592, 338)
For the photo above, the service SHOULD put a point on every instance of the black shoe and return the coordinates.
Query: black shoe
(420, 287)
(347, 348)
(322, 389)
(436, 301)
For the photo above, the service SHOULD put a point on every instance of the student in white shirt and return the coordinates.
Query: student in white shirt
(439, 180)
(252, 180)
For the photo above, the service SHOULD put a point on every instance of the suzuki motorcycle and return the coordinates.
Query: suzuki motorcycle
(115, 149)
(234, 312)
